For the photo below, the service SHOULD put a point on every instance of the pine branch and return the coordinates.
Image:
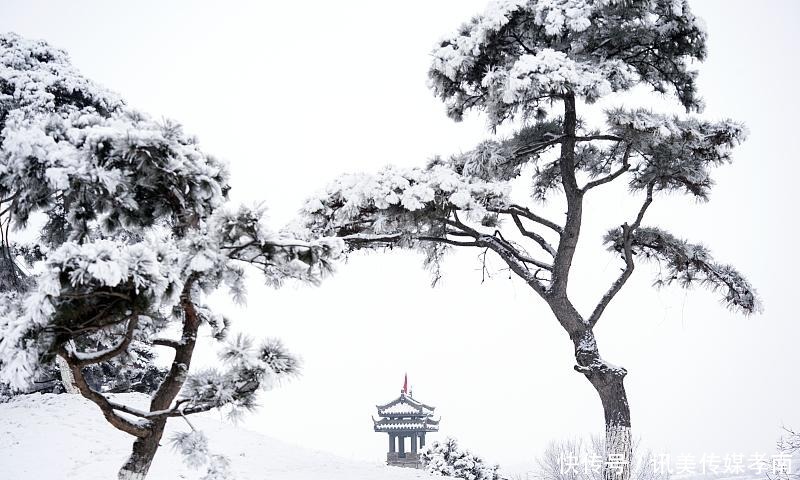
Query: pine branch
(613, 176)
(688, 264)
(591, 138)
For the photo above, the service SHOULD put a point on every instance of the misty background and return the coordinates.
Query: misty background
(293, 94)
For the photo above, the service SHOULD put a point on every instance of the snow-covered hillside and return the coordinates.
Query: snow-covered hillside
(57, 437)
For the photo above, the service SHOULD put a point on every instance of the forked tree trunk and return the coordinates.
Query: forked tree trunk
(606, 379)
(144, 450)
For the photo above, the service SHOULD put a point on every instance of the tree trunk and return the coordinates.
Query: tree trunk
(67, 380)
(144, 450)
(608, 380)
(618, 446)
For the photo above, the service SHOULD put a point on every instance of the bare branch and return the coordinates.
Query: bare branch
(627, 255)
(591, 138)
(166, 342)
(525, 212)
(100, 400)
(532, 261)
(535, 236)
(538, 147)
(513, 261)
(449, 241)
(129, 410)
(456, 233)
(513, 250)
(175, 411)
(457, 223)
(83, 359)
(191, 410)
(360, 239)
(647, 201)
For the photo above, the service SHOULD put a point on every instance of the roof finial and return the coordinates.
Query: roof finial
(405, 384)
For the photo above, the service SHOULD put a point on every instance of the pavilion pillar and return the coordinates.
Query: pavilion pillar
(392, 438)
(401, 444)
(422, 440)
(414, 443)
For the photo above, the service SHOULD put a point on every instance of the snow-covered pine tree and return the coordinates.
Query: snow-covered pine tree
(447, 459)
(136, 371)
(135, 232)
(531, 65)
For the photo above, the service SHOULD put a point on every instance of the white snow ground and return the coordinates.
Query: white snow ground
(55, 437)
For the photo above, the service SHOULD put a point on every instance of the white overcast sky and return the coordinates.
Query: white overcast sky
(294, 93)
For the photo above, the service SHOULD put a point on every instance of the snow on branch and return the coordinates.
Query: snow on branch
(502, 160)
(250, 369)
(675, 153)
(75, 152)
(410, 202)
(121, 170)
(193, 446)
(85, 288)
(35, 76)
(447, 459)
(519, 54)
(452, 203)
(688, 264)
(242, 236)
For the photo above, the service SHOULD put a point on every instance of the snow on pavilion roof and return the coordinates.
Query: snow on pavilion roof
(404, 406)
(425, 424)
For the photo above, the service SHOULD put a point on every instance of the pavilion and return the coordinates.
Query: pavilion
(405, 418)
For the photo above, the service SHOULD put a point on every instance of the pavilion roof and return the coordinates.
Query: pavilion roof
(425, 424)
(404, 406)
